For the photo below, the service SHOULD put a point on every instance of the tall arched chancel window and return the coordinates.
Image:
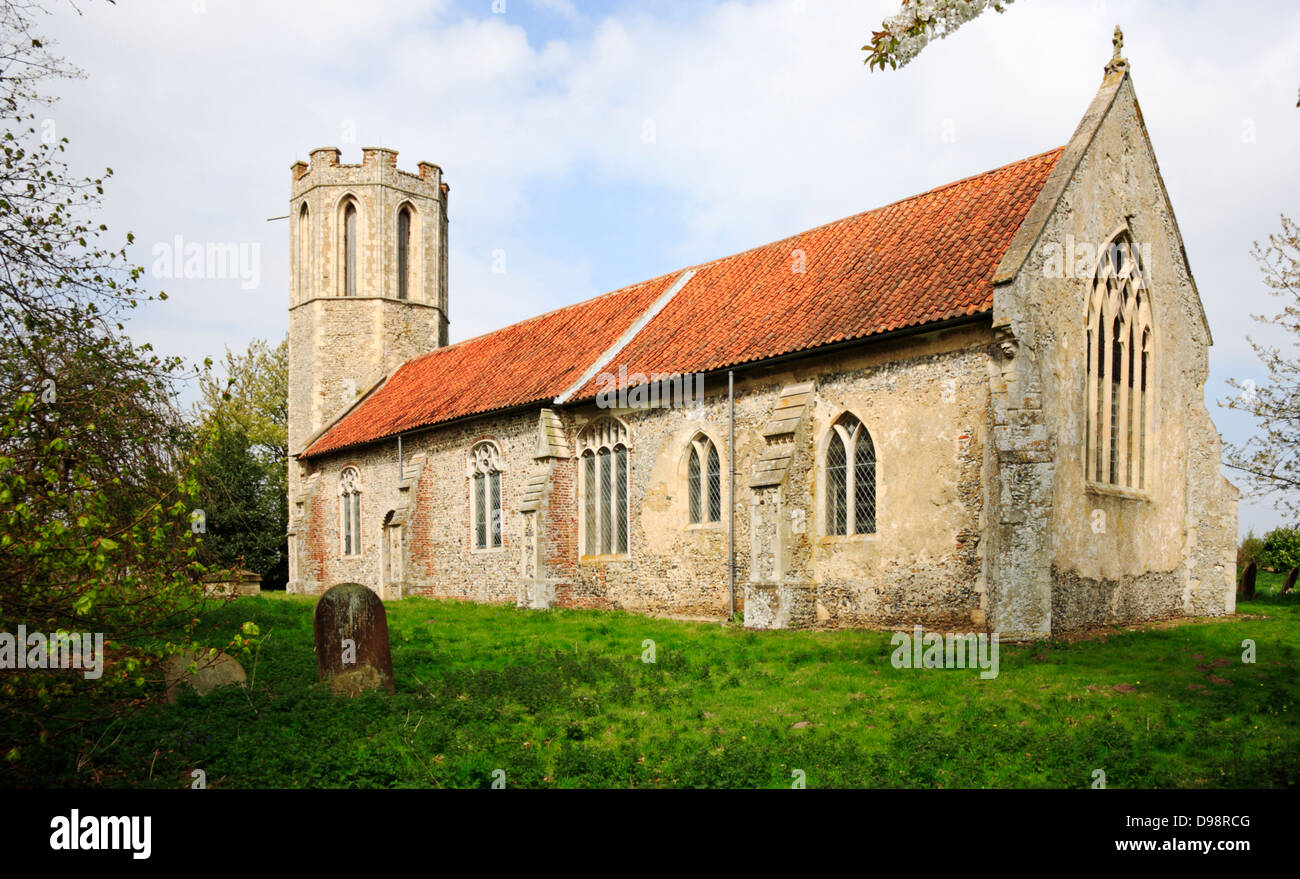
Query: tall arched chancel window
(350, 249)
(603, 487)
(850, 479)
(404, 252)
(1120, 370)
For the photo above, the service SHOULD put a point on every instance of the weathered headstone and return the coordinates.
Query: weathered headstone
(209, 673)
(352, 652)
(1290, 580)
(1246, 585)
(237, 583)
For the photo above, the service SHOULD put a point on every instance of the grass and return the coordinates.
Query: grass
(562, 698)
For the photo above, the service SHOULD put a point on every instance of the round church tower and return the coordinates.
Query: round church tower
(368, 280)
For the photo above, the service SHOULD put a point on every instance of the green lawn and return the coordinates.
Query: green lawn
(562, 699)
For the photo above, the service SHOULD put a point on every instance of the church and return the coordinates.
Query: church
(978, 409)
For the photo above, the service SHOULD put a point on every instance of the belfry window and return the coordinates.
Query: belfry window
(350, 250)
(850, 479)
(350, 511)
(304, 253)
(1119, 400)
(603, 481)
(404, 252)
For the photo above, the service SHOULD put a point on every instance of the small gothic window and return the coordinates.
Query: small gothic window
(485, 495)
(1119, 399)
(350, 249)
(604, 487)
(350, 510)
(403, 251)
(704, 481)
(850, 479)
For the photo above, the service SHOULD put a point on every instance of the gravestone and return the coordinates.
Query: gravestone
(1290, 580)
(1246, 585)
(210, 672)
(352, 652)
(238, 583)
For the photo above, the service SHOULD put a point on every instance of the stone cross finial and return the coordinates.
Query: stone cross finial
(1117, 63)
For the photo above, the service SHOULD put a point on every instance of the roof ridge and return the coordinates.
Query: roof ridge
(882, 207)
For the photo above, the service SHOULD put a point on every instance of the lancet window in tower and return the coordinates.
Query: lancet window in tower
(404, 252)
(350, 250)
(304, 253)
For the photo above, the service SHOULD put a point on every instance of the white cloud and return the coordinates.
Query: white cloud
(563, 8)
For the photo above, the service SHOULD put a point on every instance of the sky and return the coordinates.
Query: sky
(599, 144)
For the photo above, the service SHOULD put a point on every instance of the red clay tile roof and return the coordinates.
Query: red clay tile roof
(924, 259)
(536, 359)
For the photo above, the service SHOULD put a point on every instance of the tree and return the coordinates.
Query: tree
(243, 475)
(253, 399)
(245, 509)
(1270, 461)
(916, 23)
(95, 484)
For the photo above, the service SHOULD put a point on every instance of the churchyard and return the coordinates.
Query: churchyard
(489, 694)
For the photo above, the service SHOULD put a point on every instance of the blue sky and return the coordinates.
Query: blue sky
(764, 122)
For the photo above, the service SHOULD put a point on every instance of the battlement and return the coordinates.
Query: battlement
(377, 165)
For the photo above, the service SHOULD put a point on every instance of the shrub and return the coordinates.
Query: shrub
(1281, 550)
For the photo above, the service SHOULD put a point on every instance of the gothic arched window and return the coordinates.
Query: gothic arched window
(1119, 401)
(485, 495)
(350, 249)
(603, 478)
(350, 511)
(850, 479)
(304, 253)
(404, 252)
(704, 481)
